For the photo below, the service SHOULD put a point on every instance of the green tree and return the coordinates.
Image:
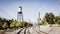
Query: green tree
(5, 25)
(49, 18)
(19, 24)
(9, 22)
(12, 25)
(57, 19)
(1, 23)
(43, 21)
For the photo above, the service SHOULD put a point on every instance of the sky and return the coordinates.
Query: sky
(30, 8)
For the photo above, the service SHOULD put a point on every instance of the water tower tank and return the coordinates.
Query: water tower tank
(20, 9)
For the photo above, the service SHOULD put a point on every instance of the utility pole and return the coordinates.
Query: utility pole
(38, 21)
(35, 24)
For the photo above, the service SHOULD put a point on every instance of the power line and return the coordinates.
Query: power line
(5, 6)
(5, 13)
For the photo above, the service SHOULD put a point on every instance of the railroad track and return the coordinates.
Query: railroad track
(23, 31)
(20, 31)
(31, 30)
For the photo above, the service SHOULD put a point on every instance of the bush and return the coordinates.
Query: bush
(58, 21)
(19, 24)
(43, 22)
(12, 24)
(5, 25)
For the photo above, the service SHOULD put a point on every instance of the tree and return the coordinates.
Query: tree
(1, 23)
(43, 21)
(49, 18)
(9, 22)
(5, 25)
(12, 25)
(19, 24)
(57, 19)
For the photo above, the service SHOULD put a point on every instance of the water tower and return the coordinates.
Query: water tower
(20, 14)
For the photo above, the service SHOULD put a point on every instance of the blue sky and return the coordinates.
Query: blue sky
(30, 8)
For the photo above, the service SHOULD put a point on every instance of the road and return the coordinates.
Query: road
(36, 30)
